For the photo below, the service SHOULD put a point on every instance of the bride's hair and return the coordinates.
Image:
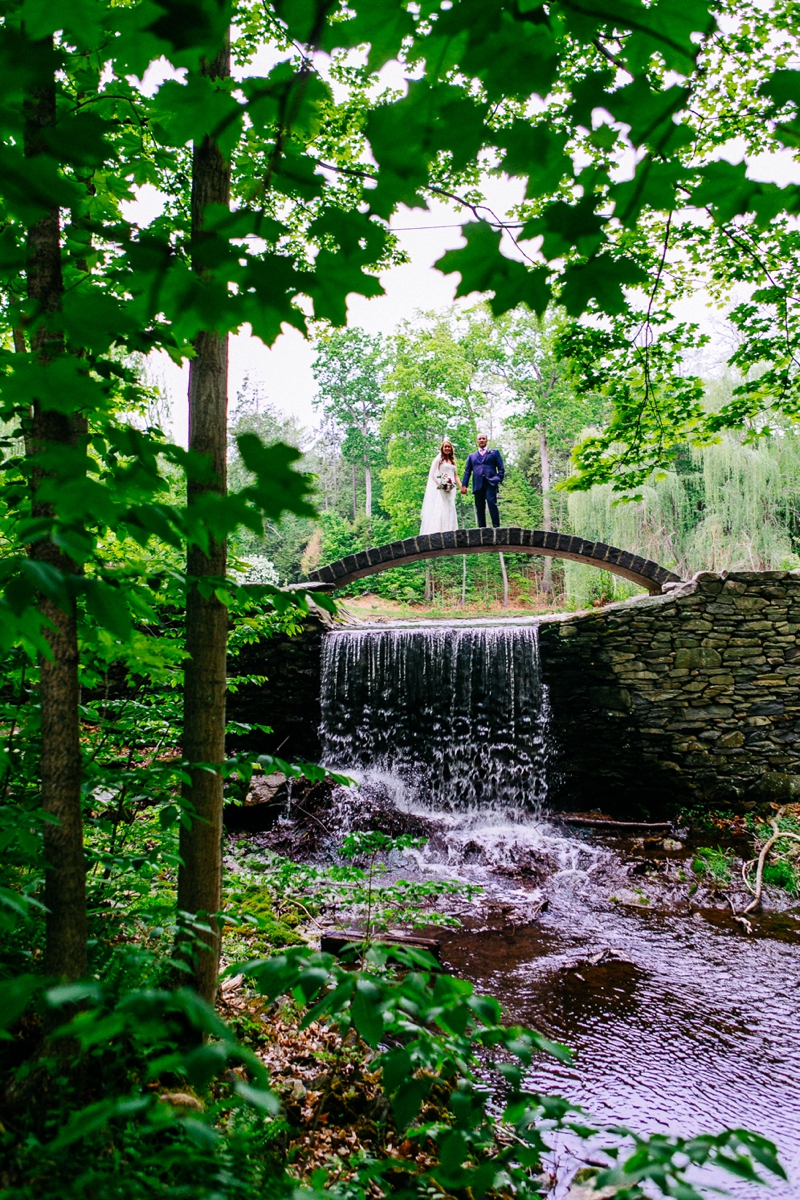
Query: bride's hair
(451, 457)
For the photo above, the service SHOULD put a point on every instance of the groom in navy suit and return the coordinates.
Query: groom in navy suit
(487, 471)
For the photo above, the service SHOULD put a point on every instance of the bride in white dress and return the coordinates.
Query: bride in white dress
(439, 506)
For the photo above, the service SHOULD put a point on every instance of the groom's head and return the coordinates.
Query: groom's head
(483, 441)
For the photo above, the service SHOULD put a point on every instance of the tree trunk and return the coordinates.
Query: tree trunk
(547, 515)
(505, 580)
(60, 764)
(428, 594)
(368, 487)
(355, 491)
(200, 874)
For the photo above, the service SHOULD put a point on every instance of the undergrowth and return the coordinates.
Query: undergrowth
(714, 863)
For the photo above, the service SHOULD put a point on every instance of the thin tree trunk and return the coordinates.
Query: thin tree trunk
(355, 491)
(60, 763)
(547, 514)
(200, 873)
(368, 486)
(505, 581)
(428, 584)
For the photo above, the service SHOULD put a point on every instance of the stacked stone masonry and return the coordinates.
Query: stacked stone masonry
(690, 698)
(507, 539)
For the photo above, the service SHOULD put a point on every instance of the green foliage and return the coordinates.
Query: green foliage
(783, 874)
(349, 368)
(725, 507)
(713, 862)
(319, 165)
(350, 891)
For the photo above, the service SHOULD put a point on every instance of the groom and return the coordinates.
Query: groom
(487, 471)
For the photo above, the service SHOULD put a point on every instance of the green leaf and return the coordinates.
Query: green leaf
(204, 1064)
(601, 279)
(381, 24)
(367, 1013)
(782, 86)
(279, 487)
(200, 107)
(15, 996)
(396, 1068)
(484, 269)
(96, 1116)
(564, 227)
(536, 152)
(109, 606)
(407, 1101)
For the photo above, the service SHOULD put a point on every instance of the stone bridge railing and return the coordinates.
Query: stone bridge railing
(508, 539)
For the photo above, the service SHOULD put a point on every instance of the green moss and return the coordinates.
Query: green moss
(253, 918)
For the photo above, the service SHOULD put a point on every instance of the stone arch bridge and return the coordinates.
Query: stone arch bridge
(508, 539)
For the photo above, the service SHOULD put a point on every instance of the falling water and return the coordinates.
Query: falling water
(456, 712)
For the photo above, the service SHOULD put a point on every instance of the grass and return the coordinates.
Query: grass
(713, 862)
(784, 875)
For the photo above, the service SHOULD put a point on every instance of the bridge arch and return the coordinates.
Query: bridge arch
(509, 539)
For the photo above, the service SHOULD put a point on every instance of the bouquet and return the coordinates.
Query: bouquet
(444, 482)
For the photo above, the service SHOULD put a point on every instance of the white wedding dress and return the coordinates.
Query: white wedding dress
(439, 506)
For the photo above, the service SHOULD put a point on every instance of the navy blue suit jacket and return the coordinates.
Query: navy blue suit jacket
(488, 470)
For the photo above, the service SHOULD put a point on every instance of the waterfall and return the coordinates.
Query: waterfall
(457, 713)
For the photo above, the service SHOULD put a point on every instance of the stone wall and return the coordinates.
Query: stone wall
(289, 701)
(686, 699)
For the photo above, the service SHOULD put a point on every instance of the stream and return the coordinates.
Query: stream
(678, 1020)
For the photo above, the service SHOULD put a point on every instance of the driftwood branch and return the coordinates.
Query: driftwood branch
(606, 823)
(777, 836)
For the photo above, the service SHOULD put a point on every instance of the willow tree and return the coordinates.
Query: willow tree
(729, 506)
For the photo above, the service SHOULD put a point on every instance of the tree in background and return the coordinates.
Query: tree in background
(436, 388)
(548, 405)
(349, 368)
(731, 506)
(281, 541)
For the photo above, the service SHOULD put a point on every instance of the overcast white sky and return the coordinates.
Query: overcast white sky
(284, 372)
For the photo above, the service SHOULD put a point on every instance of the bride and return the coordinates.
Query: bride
(439, 506)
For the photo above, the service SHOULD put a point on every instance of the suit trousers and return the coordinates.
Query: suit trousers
(486, 494)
